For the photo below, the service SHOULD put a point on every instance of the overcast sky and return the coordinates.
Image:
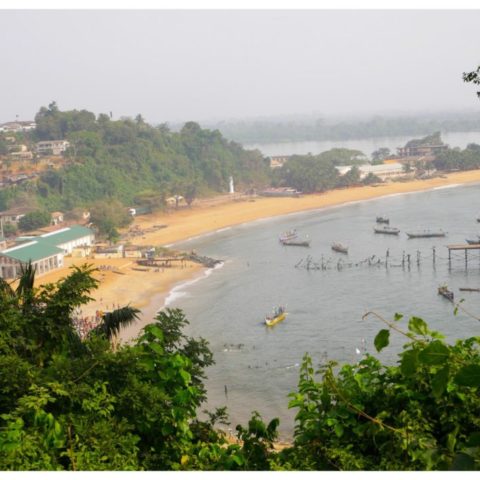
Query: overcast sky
(202, 65)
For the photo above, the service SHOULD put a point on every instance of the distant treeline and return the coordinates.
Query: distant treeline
(264, 131)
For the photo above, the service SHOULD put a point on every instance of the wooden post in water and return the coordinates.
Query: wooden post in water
(408, 260)
(466, 259)
(403, 259)
(418, 258)
(433, 248)
(387, 254)
(449, 259)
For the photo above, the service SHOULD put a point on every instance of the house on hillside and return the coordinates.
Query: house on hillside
(46, 252)
(53, 147)
(57, 217)
(14, 214)
(16, 127)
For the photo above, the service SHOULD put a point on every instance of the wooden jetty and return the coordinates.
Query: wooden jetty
(462, 246)
(467, 289)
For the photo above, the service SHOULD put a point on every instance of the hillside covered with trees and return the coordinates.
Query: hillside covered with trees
(132, 162)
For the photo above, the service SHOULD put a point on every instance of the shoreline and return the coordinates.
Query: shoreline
(149, 291)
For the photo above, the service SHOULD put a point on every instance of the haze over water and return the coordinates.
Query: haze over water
(260, 365)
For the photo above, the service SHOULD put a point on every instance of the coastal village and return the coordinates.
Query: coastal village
(139, 253)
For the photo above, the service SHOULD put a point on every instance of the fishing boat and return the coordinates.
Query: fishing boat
(288, 235)
(383, 220)
(445, 292)
(426, 234)
(386, 229)
(290, 238)
(277, 316)
(296, 242)
(338, 247)
(473, 241)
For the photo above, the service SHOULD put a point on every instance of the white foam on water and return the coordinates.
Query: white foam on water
(180, 290)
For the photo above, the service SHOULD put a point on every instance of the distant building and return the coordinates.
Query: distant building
(55, 147)
(421, 150)
(278, 161)
(46, 252)
(14, 214)
(16, 127)
(57, 217)
(383, 171)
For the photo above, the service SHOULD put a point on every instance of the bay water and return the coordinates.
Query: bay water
(257, 366)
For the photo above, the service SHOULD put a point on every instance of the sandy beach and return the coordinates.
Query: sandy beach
(148, 290)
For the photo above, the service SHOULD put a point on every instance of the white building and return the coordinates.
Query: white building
(46, 252)
(55, 147)
(383, 171)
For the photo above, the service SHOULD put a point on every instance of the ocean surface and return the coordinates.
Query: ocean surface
(367, 146)
(257, 366)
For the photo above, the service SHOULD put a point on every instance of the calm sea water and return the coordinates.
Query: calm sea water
(367, 146)
(259, 365)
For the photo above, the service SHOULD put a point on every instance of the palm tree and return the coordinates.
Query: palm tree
(48, 311)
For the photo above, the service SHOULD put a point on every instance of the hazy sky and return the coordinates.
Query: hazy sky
(199, 65)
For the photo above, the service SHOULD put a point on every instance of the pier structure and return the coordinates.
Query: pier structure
(465, 247)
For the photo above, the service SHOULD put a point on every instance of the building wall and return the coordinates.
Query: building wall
(11, 268)
(79, 242)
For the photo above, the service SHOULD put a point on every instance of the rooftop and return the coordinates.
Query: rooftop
(67, 234)
(31, 251)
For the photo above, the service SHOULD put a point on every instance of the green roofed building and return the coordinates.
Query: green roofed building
(46, 252)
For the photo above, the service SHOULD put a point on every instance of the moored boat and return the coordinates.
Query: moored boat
(338, 247)
(473, 241)
(445, 292)
(295, 242)
(426, 234)
(288, 235)
(386, 229)
(278, 315)
(383, 220)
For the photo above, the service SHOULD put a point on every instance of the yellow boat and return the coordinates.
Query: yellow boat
(279, 314)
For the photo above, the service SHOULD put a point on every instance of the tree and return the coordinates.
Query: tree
(33, 220)
(379, 155)
(420, 414)
(473, 77)
(107, 216)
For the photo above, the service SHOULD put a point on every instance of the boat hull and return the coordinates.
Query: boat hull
(386, 231)
(425, 235)
(270, 322)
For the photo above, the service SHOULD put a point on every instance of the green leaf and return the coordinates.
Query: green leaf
(397, 317)
(418, 326)
(409, 363)
(338, 429)
(474, 440)
(382, 339)
(155, 331)
(462, 461)
(468, 376)
(156, 348)
(440, 381)
(186, 376)
(435, 353)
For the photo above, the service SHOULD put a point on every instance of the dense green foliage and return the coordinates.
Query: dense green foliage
(284, 130)
(33, 220)
(317, 173)
(124, 159)
(73, 403)
(421, 414)
(467, 159)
